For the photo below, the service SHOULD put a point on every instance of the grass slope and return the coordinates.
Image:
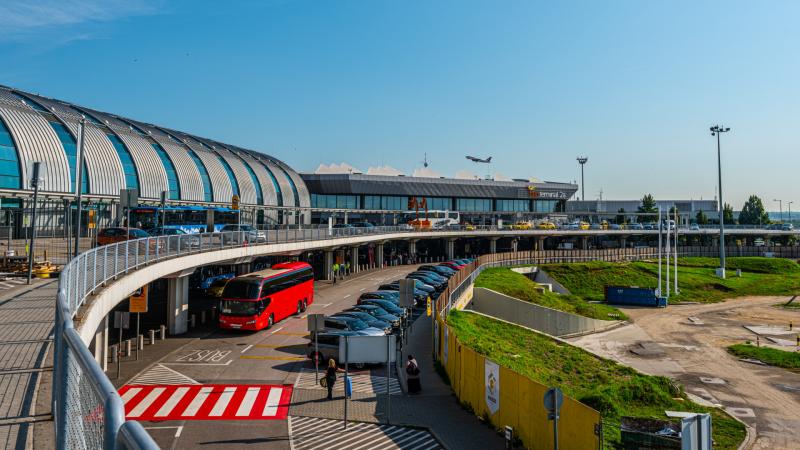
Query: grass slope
(697, 281)
(771, 356)
(613, 389)
(519, 286)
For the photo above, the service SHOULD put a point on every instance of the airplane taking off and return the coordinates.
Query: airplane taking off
(479, 160)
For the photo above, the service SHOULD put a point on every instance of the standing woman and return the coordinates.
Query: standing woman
(330, 377)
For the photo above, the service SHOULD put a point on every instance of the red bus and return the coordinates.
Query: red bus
(260, 299)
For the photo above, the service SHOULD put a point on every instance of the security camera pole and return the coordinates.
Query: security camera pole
(716, 130)
(35, 186)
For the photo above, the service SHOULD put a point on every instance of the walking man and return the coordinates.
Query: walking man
(335, 270)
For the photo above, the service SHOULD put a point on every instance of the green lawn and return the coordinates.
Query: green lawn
(696, 279)
(771, 356)
(519, 286)
(613, 389)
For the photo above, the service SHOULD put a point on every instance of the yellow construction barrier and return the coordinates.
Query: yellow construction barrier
(521, 400)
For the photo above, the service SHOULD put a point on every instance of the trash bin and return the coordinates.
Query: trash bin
(348, 387)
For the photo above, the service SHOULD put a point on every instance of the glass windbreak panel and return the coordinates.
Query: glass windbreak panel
(131, 177)
(229, 171)
(242, 289)
(208, 195)
(9, 160)
(172, 176)
(238, 307)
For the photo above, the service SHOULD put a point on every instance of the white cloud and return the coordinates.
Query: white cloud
(336, 168)
(384, 170)
(425, 173)
(19, 19)
(465, 175)
(500, 177)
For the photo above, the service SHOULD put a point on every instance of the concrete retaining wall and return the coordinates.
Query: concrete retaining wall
(539, 318)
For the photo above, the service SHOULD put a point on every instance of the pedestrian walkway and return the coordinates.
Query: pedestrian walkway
(11, 282)
(205, 402)
(27, 315)
(307, 433)
(363, 383)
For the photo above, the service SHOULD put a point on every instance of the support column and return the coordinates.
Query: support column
(451, 248)
(101, 344)
(623, 241)
(585, 242)
(540, 243)
(354, 259)
(178, 304)
(412, 249)
(493, 245)
(379, 255)
(328, 262)
(514, 244)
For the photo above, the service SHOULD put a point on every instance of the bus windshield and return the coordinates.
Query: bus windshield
(239, 308)
(244, 289)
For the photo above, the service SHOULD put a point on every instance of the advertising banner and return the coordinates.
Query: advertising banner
(492, 383)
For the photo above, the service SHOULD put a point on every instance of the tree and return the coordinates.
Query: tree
(621, 216)
(648, 206)
(727, 214)
(753, 212)
(701, 218)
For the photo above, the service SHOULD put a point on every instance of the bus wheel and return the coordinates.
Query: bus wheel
(305, 304)
(271, 321)
(299, 308)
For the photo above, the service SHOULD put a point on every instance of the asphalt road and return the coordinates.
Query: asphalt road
(273, 357)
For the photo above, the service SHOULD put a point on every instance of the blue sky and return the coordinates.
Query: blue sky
(633, 85)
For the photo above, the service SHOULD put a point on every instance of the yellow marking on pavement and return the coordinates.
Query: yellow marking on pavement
(279, 346)
(274, 358)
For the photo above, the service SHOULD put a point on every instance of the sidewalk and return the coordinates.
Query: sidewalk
(435, 408)
(27, 315)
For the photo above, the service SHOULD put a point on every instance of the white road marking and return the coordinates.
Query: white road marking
(274, 399)
(146, 402)
(197, 402)
(178, 430)
(277, 329)
(197, 364)
(172, 401)
(247, 348)
(363, 289)
(247, 402)
(324, 305)
(223, 401)
(129, 394)
(348, 295)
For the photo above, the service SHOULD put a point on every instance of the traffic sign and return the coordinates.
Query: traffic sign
(316, 322)
(122, 320)
(407, 287)
(137, 303)
(553, 399)
(235, 202)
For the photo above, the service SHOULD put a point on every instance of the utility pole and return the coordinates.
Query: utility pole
(716, 130)
(582, 161)
(78, 184)
(35, 186)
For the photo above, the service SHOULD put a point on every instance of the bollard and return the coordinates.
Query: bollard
(152, 337)
(114, 353)
(128, 348)
(191, 321)
(758, 341)
(141, 341)
(203, 317)
(790, 326)
(163, 332)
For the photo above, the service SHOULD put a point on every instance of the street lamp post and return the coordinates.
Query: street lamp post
(780, 207)
(789, 206)
(582, 160)
(716, 130)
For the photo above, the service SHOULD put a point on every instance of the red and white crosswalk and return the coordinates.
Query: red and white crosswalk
(205, 402)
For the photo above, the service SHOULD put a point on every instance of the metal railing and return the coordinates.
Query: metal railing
(89, 414)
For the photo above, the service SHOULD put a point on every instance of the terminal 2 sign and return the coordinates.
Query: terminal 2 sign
(555, 195)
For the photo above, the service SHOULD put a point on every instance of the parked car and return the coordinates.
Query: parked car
(419, 295)
(186, 240)
(351, 324)
(694, 227)
(327, 344)
(380, 295)
(217, 286)
(377, 311)
(432, 278)
(441, 270)
(595, 226)
(787, 227)
(546, 226)
(437, 285)
(390, 307)
(119, 234)
(521, 226)
(369, 319)
(615, 226)
(418, 284)
(342, 225)
(248, 232)
(635, 226)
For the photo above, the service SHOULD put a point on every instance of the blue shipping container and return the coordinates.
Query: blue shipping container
(635, 296)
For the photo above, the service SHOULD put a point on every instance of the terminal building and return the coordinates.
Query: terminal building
(122, 153)
(597, 210)
(477, 201)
